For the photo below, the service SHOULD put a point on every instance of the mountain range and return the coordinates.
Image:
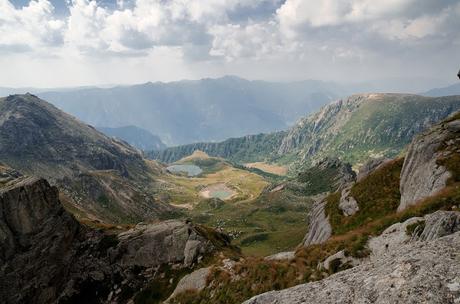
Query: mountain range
(87, 218)
(136, 137)
(353, 129)
(203, 110)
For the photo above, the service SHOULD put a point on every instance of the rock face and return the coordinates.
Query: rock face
(348, 203)
(419, 272)
(105, 178)
(146, 245)
(46, 256)
(421, 175)
(371, 166)
(319, 228)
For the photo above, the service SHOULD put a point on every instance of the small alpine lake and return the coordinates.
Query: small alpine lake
(190, 170)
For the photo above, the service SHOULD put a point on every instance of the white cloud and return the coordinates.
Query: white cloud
(315, 36)
(256, 40)
(33, 26)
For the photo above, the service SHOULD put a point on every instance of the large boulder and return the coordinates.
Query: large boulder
(168, 242)
(195, 281)
(421, 175)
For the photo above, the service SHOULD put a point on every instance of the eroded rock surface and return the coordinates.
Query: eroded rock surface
(46, 256)
(348, 203)
(419, 272)
(421, 175)
(371, 166)
(319, 228)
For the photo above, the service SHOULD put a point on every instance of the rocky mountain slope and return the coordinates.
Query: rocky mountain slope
(99, 175)
(407, 256)
(136, 137)
(396, 249)
(194, 111)
(353, 129)
(422, 272)
(46, 256)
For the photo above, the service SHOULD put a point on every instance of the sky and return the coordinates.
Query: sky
(55, 43)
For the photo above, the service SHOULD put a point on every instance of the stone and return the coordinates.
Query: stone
(348, 203)
(342, 259)
(370, 167)
(195, 281)
(418, 272)
(319, 228)
(46, 256)
(421, 175)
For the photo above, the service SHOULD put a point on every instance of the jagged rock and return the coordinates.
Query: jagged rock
(419, 272)
(319, 228)
(391, 238)
(432, 226)
(348, 203)
(46, 256)
(287, 255)
(195, 281)
(371, 166)
(439, 224)
(421, 175)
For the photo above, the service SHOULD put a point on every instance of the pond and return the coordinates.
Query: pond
(191, 170)
(220, 191)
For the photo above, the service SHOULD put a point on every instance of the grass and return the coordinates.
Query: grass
(274, 215)
(377, 196)
(184, 190)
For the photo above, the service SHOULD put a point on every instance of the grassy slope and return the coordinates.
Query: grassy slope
(377, 196)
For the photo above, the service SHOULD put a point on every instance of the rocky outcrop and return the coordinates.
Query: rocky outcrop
(371, 166)
(195, 281)
(319, 228)
(419, 272)
(339, 260)
(421, 175)
(46, 256)
(348, 203)
(146, 245)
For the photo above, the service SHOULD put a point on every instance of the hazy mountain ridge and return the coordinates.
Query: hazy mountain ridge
(353, 128)
(135, 136)
(195, 111)
(444, 91)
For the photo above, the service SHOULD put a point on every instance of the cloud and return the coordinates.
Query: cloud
(30, 27)
(220, 36)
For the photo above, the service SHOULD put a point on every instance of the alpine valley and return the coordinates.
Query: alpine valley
(356, 202)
